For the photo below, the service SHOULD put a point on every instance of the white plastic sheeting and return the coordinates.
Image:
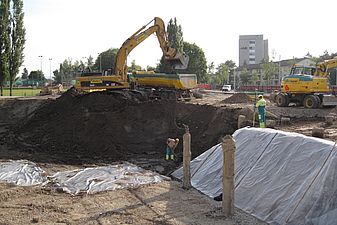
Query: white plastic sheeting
(97, 179)
(21, 172)
(281, 178)
(89, 180)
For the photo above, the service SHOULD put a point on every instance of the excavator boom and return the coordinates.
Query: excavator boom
(166, 84)
(176, 60)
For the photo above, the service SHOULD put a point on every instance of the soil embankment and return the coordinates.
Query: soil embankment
(106, 127)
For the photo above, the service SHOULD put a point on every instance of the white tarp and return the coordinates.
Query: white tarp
(281, 178)
(97, 179)
(89, 180)
(21, 172)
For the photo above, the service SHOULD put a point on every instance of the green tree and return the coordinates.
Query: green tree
(37, 76)
(24, 74)
(176, 41)
(269, 70)
(17, 40)
(255, 77)
(68, 70)
(134, 66)
(244, 76)
(106, 60)
(231, 66)
(210, 68)
(197, 64)
(90, 61)
(222, 73)
(175, 35)
(150, 68)
(4, 42)
(57, 77)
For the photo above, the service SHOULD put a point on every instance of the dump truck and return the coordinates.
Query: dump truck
(308, 86)
(164, 86)
(179, 84)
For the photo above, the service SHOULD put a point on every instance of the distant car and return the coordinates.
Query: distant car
(226, 88)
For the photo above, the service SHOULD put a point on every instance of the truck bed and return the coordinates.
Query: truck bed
(175, 81)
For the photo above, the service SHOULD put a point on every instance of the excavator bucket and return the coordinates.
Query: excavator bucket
(179, 62)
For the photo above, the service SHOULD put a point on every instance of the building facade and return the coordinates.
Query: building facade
(252, 49)
(255, 74)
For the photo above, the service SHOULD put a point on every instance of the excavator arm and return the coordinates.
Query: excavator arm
(176, 60)
(322, 67)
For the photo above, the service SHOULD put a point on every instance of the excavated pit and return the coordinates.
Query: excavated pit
(106, 127)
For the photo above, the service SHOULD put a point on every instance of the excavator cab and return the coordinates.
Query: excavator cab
(179, 62)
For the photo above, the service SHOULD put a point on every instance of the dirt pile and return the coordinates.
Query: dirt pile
(108, 127)
(237, 98)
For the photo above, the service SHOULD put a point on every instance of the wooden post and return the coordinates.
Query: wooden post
(187, 158)
(317, 132)
(241, 120)
(228, 147)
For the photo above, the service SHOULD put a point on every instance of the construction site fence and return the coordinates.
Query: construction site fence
(271, 88)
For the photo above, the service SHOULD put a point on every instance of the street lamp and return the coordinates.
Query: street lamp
(50, 59)
(40, 56)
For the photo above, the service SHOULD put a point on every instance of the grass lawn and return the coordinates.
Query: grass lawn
(22, 91)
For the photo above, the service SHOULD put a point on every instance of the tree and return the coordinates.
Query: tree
(4, 42)
(90, 61)
(222, 73)
(255, 77)
(36, 76)
(17, 40)
(175, 39)
(308, 55)
(150, 68)
(244, 76)
(24, 74)
(106, 60)
(57, 77)
(175, 35)
(197, 64)
(269, 70)
(210, 68)
(231, 66)
(134, 66)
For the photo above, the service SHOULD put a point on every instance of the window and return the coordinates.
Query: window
(251, 44)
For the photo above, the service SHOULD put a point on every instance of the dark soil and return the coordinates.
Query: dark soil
(237, 98)
(105, 127)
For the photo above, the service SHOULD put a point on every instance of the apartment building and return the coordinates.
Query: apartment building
(252, 49)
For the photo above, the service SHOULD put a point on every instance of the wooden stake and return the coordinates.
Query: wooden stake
(228, 147)
(187, 158)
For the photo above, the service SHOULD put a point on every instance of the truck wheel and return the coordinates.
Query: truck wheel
(310, 102)
(282, 100)
(319, 102)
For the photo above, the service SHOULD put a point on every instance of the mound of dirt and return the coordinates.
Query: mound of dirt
(237, 98)
(103, 127)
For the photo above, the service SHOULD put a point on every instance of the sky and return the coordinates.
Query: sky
(75, 29)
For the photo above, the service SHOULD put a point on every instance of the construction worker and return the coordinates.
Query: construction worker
(171, 145)
(261, 106)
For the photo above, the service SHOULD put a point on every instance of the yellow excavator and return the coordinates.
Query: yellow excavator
(122, 80)
(308, 86)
